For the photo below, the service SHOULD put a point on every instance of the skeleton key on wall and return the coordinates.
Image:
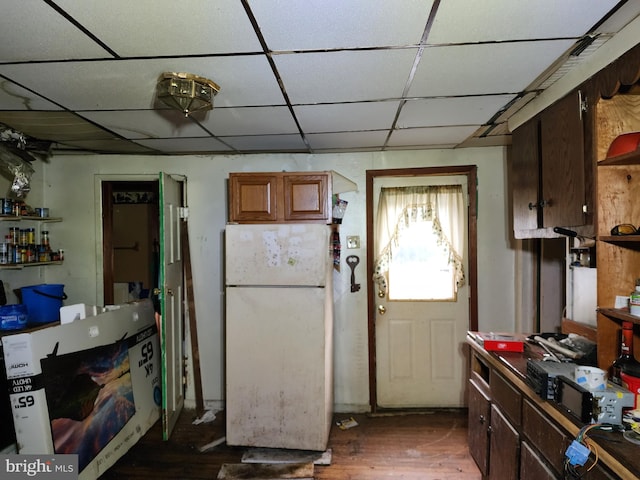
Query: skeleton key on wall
(353, 261)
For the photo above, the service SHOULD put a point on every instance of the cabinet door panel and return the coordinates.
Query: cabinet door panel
(525, 176)
(505, 448)
(544, 435)
(562, 157)
(479, 418)
(306, 197)
(253, 198)
(532, 467)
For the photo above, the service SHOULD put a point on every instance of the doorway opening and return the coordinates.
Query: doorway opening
(400, 332)
(130, 226)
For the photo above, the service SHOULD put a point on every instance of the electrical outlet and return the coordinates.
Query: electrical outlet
(353, 241)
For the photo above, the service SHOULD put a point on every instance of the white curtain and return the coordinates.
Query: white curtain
(399, 207)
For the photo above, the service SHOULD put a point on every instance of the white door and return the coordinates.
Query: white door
(171, 296)
(419, 343)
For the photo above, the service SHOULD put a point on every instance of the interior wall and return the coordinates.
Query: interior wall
(71, 184)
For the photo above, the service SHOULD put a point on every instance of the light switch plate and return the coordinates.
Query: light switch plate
(353, 241)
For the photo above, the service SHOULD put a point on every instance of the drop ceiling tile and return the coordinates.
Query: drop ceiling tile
(321, 141)
(483, 68)
(250, 121)
(135, 124)
(433, 112)
(462, 21)
(289, 25)
(56, 126)
(345, 76)
(107, 146)
(266, 143)
(418, 137)
(185, 145)
(163, 27)
(346, 116)
(14, 97)
(131, 84)
(32, 30)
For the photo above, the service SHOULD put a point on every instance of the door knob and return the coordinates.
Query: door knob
(381, 309)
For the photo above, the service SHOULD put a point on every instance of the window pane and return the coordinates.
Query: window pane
(419, 268)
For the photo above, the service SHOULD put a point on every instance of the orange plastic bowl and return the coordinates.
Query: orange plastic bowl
(624, 143)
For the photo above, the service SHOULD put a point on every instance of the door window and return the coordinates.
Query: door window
(420, 242)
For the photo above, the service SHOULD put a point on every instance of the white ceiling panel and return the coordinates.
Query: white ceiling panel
(289, 25)
(152, 28)
(14, 97)
(462, 21)
(483, 68)
(348, 140)
(347, 116)
(432, 112)
(250, 121)
(177, 145)
(266, 143)
(430, 136)
(32, 30)
(341, 76)
(131, 84)
(136, 124)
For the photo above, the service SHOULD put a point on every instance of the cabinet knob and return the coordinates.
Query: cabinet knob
(482, 419)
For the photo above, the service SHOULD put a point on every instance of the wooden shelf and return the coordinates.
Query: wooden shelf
(621, 314)
(16, 218)
(20, 266)
(631, 158)
(627, 241)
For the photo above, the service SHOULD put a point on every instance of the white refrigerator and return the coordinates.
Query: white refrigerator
(279, 336)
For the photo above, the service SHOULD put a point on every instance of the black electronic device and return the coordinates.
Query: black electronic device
(574, 399)
(541, 374)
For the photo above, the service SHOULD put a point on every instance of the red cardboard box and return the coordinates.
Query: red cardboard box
(504, 342)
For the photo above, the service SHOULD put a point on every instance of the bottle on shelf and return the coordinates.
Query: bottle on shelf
(626, 363)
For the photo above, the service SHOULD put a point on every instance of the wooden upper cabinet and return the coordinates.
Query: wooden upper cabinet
(562, 157)
(525, 175)
(280, 197)
(550, 174)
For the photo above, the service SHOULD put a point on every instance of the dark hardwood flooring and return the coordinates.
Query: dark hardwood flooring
(413, 446)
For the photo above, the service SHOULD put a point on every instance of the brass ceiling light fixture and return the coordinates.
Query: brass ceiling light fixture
(187, 92)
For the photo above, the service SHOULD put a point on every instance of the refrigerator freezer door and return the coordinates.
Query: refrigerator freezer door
(279, 375)
(281, 254)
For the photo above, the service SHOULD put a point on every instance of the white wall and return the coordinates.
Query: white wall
(71, 189)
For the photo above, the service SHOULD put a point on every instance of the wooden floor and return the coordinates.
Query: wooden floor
(417, 446)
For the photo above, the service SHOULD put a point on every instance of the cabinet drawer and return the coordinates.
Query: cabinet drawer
(532, 467)
(507, 397)
(548, 439)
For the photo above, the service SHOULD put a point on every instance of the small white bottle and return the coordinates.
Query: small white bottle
(634, 300)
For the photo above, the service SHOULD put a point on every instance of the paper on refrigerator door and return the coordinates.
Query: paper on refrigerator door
(283, 254)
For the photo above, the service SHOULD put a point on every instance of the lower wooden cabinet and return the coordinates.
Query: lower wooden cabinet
(504, 458)
(479, 424)
(513, 434)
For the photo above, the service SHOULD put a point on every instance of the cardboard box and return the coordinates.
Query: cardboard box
(91, 387)
(505, 342)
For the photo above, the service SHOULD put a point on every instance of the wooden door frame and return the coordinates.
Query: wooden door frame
(471, 172)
